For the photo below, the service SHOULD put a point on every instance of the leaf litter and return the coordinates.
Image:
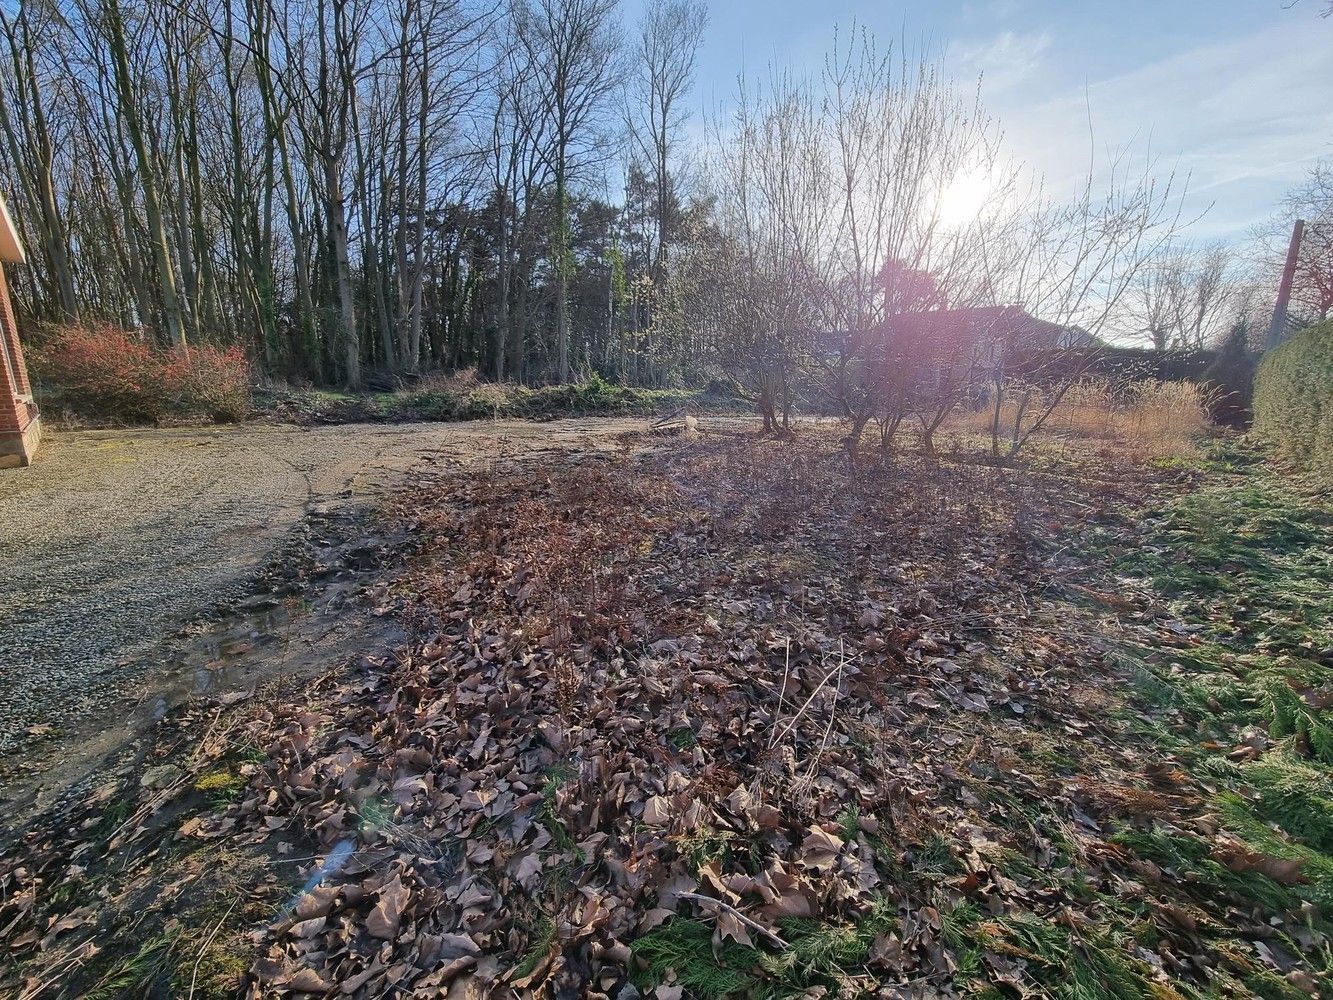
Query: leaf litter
(735, 719)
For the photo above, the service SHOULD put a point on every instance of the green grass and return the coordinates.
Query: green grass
(935, 858)
(682, 739)
(1087, 964)
(556, 776)
(1295, 795)
(818, 955)
(137, 974)
(682, 950)
(1258, 550)
(539, 945)
(1189, 859)
(1247, 560)
(824, 954)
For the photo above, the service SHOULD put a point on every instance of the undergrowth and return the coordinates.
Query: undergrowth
(820, 956)
(466, 397)
(1239, 694)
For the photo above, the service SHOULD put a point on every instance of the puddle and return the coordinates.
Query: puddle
(306, 614)
(216, 661)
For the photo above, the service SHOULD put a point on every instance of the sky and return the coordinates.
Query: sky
(1236, 96)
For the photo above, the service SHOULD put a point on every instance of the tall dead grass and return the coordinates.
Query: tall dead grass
(1155, 419)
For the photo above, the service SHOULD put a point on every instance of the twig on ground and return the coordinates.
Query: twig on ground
(755, 926)
(203, 949)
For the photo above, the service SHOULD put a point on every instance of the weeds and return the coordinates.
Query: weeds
(1189, 859)
(1068, 964)
(222, 786)
(1295, 795)
(681, 951)
(465, 396)
(556, 776)
(1164, 421)
(823, 954)
(539, 946)
(137, 974)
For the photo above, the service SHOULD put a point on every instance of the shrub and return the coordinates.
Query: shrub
(1231, 379)
(103, 373)
(464, 396)
(1293, 399)
(210, 381)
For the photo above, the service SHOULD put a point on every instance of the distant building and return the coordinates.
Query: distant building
(983, 334)
(20, 427)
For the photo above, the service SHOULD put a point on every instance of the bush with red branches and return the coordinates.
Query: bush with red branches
(106, 374)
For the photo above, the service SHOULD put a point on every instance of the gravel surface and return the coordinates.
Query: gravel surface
(114, 540)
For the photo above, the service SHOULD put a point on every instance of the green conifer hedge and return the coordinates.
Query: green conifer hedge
(1293, 399)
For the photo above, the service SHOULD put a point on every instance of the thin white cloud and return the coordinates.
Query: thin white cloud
(1243, 122)
(1003, 61)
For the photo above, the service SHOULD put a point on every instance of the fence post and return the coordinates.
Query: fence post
(1277, 329)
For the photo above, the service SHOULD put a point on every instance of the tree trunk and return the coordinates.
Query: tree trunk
(342, 273)
(157, 234)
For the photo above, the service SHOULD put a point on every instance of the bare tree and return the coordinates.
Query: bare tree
(834, 193)
(23, 117)
(1312, 202)
(573, 48)
(1186, 298)
(770, 167)
(1072, 263)
(665, 56)
(125, 81)
(902, 139)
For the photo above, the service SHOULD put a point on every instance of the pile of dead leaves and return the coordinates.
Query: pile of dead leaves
(826, 726)
(737, 719)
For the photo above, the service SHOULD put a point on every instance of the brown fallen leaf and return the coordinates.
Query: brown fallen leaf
(308, 981)
(820, 849)
(384, 919)
(1239, 858)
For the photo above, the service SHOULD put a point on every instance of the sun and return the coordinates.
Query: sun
(964, 198)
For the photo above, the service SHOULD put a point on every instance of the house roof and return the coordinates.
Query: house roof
(1010, 324)
(11, 248)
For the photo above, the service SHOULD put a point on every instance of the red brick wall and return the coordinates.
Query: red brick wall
(19, 426)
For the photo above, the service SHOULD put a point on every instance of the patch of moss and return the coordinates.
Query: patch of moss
(221, 786)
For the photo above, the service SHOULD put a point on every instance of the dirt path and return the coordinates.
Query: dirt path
(114, 540)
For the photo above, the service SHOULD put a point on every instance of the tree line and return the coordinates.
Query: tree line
(347, 185)
(352, 188)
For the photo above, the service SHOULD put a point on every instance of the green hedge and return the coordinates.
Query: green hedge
(1293, 399)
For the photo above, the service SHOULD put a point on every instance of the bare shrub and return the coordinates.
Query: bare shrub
(103, 373)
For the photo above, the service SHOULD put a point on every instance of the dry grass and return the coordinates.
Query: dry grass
(1153, 419)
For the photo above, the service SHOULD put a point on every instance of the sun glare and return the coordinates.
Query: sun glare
(965, 197)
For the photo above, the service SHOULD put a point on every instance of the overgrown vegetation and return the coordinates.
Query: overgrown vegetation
(467, 397)
(1244, 671)
(1293, 399)
(1156, 419)
(757, 718)
(106, 375)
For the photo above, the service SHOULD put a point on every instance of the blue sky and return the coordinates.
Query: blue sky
(1236, 93)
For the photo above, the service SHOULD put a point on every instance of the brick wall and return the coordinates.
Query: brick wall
(20, 427)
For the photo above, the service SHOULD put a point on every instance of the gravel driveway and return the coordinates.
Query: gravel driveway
(115, 539)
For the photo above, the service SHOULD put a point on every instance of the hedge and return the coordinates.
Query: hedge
(1293, 399)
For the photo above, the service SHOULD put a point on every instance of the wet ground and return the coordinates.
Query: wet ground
(139, 566)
